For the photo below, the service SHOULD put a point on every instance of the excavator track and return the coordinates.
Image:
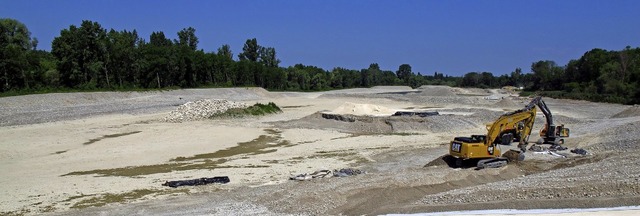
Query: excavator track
(493, 162)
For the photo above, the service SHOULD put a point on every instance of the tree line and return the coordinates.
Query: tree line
(90, 57)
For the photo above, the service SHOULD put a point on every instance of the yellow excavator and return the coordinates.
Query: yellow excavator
(517, 124)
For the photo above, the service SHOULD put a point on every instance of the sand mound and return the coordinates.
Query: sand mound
(507, 103)
(362, 109)
(263, 92)
(472, 91)
(630, 112)
(201, 109)
(437, 91)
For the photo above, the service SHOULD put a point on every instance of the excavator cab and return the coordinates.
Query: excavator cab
(463, 148)
(562, 131)
(553, 134)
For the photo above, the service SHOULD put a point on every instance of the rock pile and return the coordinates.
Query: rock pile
(201, 109)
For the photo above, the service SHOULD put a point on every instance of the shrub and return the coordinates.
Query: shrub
(257, 109)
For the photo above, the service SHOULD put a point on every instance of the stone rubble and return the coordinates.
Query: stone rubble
(201, 109)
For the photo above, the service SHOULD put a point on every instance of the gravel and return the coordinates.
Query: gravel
(201, 109)
(397, 176)
(41, 108)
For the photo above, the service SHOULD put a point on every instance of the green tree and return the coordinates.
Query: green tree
(224, 64)
(187, 37)
(123, 56)
(15, 45)
(268, 57)
(487, 80)
(404, 73)
(471, 79)
(155, 61)
(82, 54)
(374, 75)
(590, 64)
(159, 39)
(389, 78)
(250, 51)
(225, 50)
(546, 75)
(516, 78)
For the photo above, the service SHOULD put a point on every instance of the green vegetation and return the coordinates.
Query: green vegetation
(262, 145)
(108, 198)
(255, 110)
(91, 58)
(599, 75)
(110, 136)
(346, 156)
(293, 107)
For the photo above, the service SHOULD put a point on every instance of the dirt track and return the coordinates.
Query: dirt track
(121, 171)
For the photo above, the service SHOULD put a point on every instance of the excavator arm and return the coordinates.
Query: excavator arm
(550, 133)
(521, 121)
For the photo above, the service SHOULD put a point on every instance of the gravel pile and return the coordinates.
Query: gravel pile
(395, 124)
(630, 112)
(614, 179)
(437, 91)
(39, 108)
(508, 103)
(363, 109)
(201, 109)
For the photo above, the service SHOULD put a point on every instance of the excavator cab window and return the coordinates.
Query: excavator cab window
(479, 138)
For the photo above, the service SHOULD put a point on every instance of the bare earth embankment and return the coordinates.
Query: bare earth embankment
(109, 153)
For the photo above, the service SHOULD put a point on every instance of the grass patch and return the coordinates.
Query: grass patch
(60, 152)
(135, 171)
(271, 161)
(422, 107)
(91, 141)
(257, 109)
(245, 166)
(208, 161)
(471, 94)
(339, 155)
(293, 107)
(352, 135)
(399, 134)
(348, 136)
(16, 213)
(378, 148)
(48, 209)
(272, 131)
(108, 198)
(253, 147)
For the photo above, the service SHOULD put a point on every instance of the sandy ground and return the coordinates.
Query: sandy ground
(109, 153)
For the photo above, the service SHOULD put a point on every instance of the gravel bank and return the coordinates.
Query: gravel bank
(33, 109)
(396, 179)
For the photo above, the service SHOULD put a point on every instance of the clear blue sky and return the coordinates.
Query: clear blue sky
(451, 37)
